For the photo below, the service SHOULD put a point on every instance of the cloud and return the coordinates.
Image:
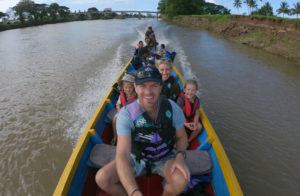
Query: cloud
(5, 4)
(98, 1)
(212, 1)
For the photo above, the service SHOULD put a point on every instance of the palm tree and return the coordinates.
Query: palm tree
(266, 10)
(252, 4)
(237, 4)
(247, 3)
(296, 9)
(284, 8)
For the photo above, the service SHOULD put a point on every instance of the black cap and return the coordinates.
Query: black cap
(146, 74)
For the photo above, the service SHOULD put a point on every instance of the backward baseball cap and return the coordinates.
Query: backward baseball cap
(146, 74)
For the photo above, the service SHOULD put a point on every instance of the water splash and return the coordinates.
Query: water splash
(96, 88)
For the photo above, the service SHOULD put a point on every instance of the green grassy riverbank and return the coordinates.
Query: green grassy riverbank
(273, 34)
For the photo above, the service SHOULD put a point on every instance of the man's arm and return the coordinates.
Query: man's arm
(181, 139)
(181, 146)
(124, 168)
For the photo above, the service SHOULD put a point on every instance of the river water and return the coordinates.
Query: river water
(52, 77)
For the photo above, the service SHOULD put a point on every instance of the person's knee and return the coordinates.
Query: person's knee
(178, 181)
(102, 179)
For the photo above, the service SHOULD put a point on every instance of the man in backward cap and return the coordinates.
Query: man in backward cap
(148, 129)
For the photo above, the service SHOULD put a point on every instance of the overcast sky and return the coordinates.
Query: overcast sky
(146, 5)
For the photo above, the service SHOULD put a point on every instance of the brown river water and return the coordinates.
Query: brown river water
(52, 77)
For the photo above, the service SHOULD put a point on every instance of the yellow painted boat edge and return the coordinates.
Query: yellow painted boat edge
(228, 172)
(69, 171)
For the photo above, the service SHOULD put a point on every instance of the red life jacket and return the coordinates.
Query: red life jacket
(124, 100)
(190, 110)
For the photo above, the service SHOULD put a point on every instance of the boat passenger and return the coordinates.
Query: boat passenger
(149, 32)
(190, 105)
(139, 53)
(127, 92)
(148, 130)
(171, 88)
(162, 51)
(150, 38)
(127, 95)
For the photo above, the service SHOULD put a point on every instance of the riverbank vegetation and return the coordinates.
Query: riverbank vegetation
(260, 29)
(28, 13)
(171, 8)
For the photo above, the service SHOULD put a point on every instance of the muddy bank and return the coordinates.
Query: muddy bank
(277, 36)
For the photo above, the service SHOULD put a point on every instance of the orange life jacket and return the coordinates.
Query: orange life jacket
(124, 100)
(189, 109)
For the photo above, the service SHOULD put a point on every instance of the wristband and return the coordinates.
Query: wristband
(135, 190)
(182, 152)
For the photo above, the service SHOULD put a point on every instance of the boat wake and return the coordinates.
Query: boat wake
(181, 59)
(95, 89)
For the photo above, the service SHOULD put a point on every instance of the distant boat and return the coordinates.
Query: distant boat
(78, 177)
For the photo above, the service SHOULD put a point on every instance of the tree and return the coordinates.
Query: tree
(237, 4)
(296, 9)
(53, 10)
(252, 4)
(180, 7)
(2, 14)
(63, 11)
(93, 9)
(172, 8)
(211, 8)
(94, 13)
(247, 3)
(23, 7)
(162, 5)
(284, 8)
(265, 10)
(41, 11)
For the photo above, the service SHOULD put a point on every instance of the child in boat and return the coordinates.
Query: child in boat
(127, 95)
(170, 88)
(190, 105)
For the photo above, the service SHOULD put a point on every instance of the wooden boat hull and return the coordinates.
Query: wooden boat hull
(78, 175)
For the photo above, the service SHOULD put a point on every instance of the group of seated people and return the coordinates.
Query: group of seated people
(187, 100)
(147, 54)
(153, 123)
